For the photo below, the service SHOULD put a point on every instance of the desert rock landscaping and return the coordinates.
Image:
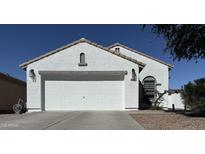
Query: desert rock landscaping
(162, 120)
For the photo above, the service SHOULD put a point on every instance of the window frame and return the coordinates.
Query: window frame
(82, 60)
(154, 84)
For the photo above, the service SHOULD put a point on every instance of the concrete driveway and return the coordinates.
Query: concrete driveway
(72, 120)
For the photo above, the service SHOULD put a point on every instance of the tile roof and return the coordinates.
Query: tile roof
(12, 79)
(24, 65)
(140, 53)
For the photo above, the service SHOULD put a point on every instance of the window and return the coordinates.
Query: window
(117, 50)
(82, 60)
(133, 75)
(149, 85)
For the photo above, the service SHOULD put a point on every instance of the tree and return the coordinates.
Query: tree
(183, 41)
(193, 94)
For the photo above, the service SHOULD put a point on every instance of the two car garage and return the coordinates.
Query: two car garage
(80, 90)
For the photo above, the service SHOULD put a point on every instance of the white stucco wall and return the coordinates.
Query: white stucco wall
(97, 59)
(153, 68)
(176, 99)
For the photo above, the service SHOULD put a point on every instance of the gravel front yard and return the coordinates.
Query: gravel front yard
(161, 120)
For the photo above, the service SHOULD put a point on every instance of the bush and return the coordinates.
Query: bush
(193, 95)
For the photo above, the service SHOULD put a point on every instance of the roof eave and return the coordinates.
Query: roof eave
(133, 50)
(11, 78)
(24, 65)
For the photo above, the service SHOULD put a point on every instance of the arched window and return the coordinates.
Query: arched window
(133, 75)
(82, 60)
(149, 85)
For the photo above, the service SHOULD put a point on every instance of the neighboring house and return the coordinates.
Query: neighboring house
(86, 76)
(11, 89)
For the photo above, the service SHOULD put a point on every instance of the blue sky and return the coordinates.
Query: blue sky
(19, 43)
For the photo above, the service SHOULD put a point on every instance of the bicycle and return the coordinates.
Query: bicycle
(20, 107)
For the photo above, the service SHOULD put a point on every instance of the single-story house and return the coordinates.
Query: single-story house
(86, 76)
(11, 89)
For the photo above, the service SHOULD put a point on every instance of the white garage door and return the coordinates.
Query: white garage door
(83, 95)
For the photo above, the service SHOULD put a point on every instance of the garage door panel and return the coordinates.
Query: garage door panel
(83, 95)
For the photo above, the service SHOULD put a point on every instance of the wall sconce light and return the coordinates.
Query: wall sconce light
(134, 76)
(32, 75)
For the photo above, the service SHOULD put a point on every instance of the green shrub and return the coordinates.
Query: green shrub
(193, 94)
